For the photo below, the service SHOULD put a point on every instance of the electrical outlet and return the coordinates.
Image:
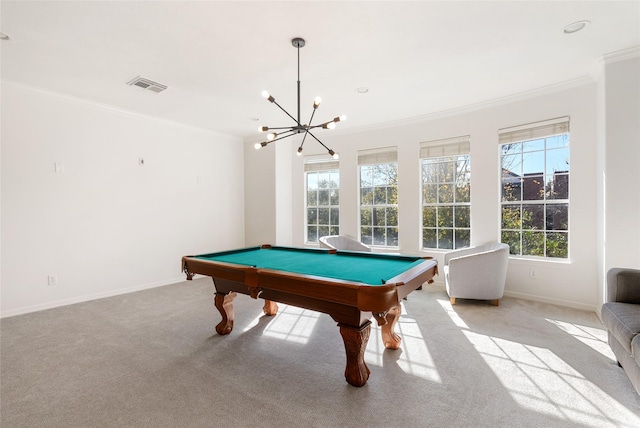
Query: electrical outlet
(52, 280)
(533, 274)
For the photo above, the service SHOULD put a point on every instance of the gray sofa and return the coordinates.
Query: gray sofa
(621, 316)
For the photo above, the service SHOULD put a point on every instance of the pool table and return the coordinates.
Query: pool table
(351, 287)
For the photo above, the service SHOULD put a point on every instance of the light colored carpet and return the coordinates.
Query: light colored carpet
(153, 359)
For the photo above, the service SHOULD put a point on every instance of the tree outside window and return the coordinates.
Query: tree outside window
(446, 202)
(323, 204)
(379, 204)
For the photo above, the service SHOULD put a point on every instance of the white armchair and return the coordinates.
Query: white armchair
(341, 242)
(477, 272)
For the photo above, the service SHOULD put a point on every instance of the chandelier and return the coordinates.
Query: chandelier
(279, 133)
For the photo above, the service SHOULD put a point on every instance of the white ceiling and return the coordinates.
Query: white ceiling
(417, 58)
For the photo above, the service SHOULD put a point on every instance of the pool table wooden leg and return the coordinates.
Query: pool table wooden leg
(224, 303)
(270, 308)
(390, 339)
(355, 342)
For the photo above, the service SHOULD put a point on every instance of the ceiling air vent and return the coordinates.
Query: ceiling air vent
(147, 84)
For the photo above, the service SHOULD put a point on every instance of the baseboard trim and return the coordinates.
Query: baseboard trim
(541, 299)
(87, 298)
(558, 302)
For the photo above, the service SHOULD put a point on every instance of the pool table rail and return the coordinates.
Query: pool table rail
(369, 298)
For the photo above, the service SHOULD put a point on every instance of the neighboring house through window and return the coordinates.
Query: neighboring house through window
(379, 196)
(446, 193)
(534, 161)
(322, 183)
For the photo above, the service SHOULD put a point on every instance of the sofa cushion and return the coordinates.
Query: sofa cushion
(622, 320)
(623, 285)
(635, 349)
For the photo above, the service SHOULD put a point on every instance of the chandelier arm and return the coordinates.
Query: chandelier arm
(311, 119)
(303, 138)
(287, 113)
(335, 120)
(289, 134)
(321, 143)
(279, 127)
(320, 125)
(313, 112)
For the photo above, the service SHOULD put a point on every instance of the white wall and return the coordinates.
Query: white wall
(601, 143)
(268, 196)
(284, 200)
(622, 159)
(618, 191)
(260, 195)
(570, 283)
(107, 225)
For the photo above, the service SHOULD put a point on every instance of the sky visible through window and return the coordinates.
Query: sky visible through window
(535, 160)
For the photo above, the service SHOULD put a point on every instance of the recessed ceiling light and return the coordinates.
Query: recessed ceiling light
(4, 36)
(254, 119)
(575, 27)
(362, 90)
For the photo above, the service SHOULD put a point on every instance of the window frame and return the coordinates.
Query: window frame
(384, 157)
(440, 153)
(318, 166)
(545, 219)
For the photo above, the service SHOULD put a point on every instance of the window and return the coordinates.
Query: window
(322, 182)
(446, 193)
(379, 197)
(535, 188)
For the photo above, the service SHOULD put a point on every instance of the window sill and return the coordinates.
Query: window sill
(524, 260)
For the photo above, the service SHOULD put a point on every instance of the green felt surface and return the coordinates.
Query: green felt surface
(372, 269)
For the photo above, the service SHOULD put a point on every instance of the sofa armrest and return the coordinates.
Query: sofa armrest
(623, 285)
(459, 253)
(463, 252)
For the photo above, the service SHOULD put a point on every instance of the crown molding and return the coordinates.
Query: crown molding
(496, 102)
(622, 55)
(601, 62)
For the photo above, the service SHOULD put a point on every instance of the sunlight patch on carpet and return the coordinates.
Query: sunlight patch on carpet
(540, 381)
(291, 323)
(413, 357)
(595, 338)
(448, 308)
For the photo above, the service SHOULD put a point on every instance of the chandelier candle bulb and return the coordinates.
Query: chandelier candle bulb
(268, 96)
